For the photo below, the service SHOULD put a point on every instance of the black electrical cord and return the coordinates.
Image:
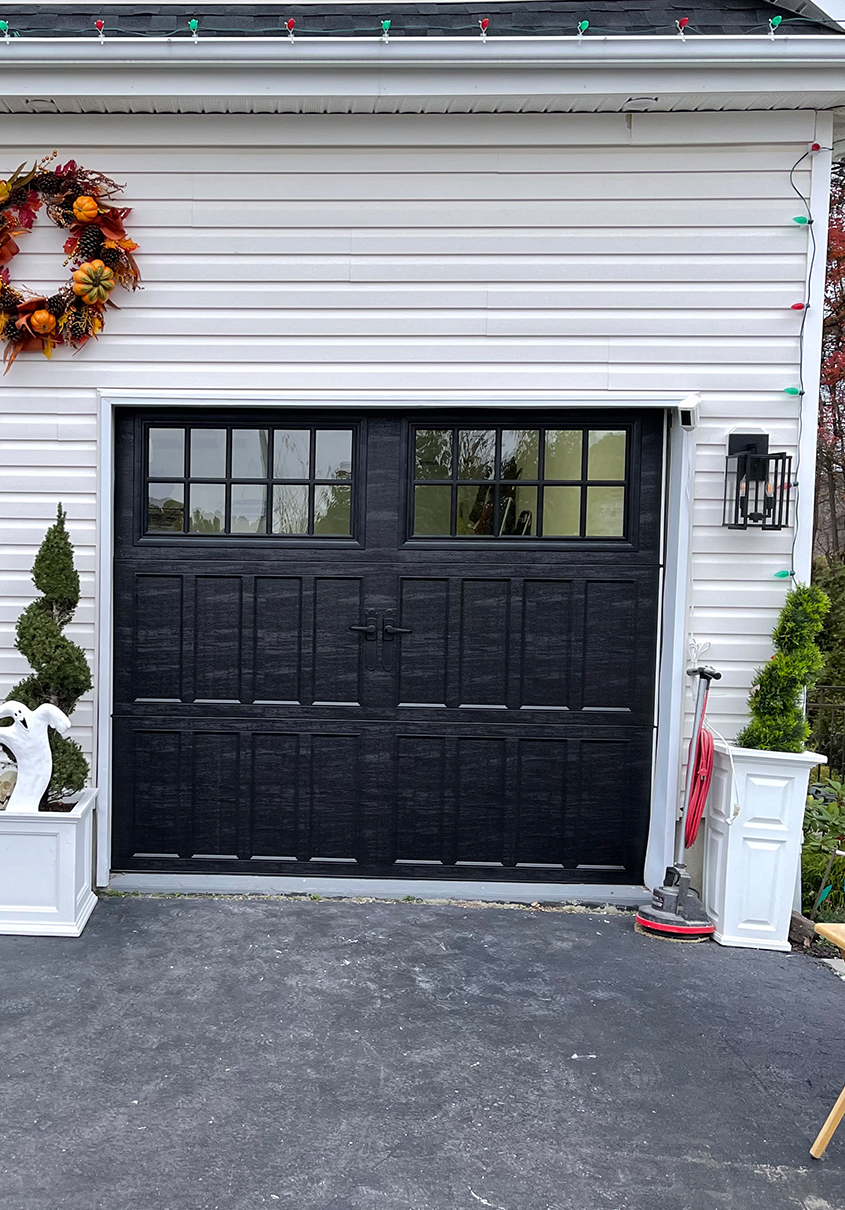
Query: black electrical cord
(805, 201)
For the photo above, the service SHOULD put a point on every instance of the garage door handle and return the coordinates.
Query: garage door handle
(391, 630)
(369, 630)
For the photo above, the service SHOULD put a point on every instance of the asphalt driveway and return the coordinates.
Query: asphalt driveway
(232, 1054)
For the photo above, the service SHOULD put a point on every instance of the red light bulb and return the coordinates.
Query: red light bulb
(683, 23)
(815, 147)
(799, 307)
(289, 24)
(99, 26)
(484, 23)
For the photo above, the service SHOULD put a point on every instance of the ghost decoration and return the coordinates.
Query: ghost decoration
(28, 740)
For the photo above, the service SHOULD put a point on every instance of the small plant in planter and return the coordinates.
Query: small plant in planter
(46, 876)
(778, 720)
(755, 815)
(60, 671)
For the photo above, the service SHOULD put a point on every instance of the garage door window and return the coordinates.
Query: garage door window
(519, 483)
(285, 482)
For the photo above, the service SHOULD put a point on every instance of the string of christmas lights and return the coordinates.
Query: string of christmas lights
(802, 220)
(682, 28)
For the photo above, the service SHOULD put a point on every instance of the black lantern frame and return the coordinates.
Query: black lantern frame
(757, 490)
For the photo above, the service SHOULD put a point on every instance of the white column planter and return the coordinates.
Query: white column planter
(752, 842)
(46, 870)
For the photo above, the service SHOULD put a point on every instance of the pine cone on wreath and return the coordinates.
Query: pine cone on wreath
(9, 298)
(64, 217)
(11, 332)
(47, 183)
(57, 304)
(90, 242)
(77, 325)
(110, 257)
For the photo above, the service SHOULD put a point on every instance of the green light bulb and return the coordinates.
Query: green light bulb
(802, 220)
(385, 25)
(193, 25)
(792, 391)
(782, 575)
(775, 22)
(583, 26)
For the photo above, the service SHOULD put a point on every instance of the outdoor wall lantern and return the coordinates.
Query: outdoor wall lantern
(757, 483)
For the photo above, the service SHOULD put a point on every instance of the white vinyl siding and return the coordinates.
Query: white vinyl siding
(369, 254)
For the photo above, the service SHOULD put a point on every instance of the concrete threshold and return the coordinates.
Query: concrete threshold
(380, 888)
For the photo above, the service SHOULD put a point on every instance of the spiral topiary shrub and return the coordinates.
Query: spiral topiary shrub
(60, 671)
(778, 721)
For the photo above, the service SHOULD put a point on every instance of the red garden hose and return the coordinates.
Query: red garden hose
(702, 776)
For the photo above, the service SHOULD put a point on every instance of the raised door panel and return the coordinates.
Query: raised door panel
(424, 652)
(148, 787)
(484, 637)
(273, 802)
(218, 635)
(157, 640)
(610, 623)
(336, 649)
(481, 814)
(335, 797)
(613, 780)
(547, 799)
(215, 790)
(277, 631)
(420, 800)
(618, 659)
(546, 645)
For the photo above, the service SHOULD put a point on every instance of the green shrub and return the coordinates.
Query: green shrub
(824, 834)
(778, 722)
(60, 671)
(830, 578)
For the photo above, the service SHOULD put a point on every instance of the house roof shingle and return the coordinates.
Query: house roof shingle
(437, 18)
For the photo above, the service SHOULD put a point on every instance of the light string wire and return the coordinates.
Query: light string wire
(284, 34)
(805, 201)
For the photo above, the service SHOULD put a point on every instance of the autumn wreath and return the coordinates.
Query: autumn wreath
(80, 200)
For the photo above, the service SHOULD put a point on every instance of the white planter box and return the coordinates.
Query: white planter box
(751, 854)
(46, 870)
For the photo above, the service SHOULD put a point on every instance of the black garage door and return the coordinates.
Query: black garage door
(385, 645)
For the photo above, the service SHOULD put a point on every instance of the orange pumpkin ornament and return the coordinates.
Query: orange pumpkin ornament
(93, 282)
(85, 209)
(42, 322)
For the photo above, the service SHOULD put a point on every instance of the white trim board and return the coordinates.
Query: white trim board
(671, 637)
(379, 888)
(676, 559)
(402, 399)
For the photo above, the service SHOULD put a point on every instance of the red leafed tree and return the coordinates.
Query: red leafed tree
(830, 472)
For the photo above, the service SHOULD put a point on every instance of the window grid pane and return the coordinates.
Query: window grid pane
(210, 480)
(563, 483)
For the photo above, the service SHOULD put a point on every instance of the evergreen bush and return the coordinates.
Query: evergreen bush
(830, 578)
(778, 722)
(822, 871)
(60, 671)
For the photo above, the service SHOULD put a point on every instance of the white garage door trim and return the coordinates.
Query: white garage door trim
(672, 639)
